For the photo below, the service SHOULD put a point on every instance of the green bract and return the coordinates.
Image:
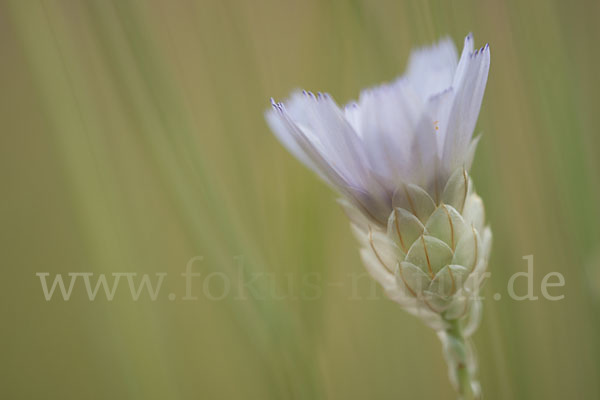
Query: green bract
(431, 255)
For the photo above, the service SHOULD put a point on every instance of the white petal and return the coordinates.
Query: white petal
(338, 142)
(431, 69)
(438, 109)
(353, 115)
(386, 119)
(470, 84)
(464, 60)
(306, 148)
(282, 132)
(424, 161)
(316, 130)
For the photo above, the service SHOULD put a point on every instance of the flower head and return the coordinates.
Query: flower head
(399, 157)
(416, 130)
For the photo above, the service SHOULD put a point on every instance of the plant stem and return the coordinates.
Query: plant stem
(457, 356)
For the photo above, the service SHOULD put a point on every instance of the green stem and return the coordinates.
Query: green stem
(456, 352)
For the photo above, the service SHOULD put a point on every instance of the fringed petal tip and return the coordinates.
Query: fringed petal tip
(415, 130)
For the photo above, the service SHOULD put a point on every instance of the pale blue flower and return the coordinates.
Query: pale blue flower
(416, 130)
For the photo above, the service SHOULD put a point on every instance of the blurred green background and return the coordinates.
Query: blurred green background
(133, 139)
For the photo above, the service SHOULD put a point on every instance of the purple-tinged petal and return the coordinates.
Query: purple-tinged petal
(465, 109)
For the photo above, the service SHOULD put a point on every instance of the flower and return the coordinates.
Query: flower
(400, 157)
(416, 130)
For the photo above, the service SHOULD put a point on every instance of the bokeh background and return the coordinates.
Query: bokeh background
(133, 139)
